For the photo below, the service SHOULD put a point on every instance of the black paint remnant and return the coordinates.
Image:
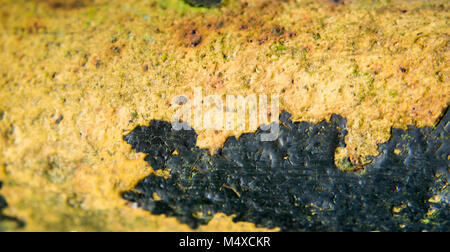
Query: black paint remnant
(7, 222)
(293, 183)
(204, 3)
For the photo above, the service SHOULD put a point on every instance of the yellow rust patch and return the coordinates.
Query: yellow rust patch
(74, 81)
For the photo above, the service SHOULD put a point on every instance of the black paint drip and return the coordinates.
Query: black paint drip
(5, 218)
(293, 183)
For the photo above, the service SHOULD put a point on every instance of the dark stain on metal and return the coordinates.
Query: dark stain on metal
(293, 183)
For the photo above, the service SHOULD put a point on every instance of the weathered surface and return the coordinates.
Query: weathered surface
(293, 183)
(7, 222)
(78, 75)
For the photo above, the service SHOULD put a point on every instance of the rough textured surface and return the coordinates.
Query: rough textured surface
(7, 222)
(293, 183)
(204, 3)
(78, 75)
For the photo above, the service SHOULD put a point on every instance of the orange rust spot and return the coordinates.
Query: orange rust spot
(115, 49)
